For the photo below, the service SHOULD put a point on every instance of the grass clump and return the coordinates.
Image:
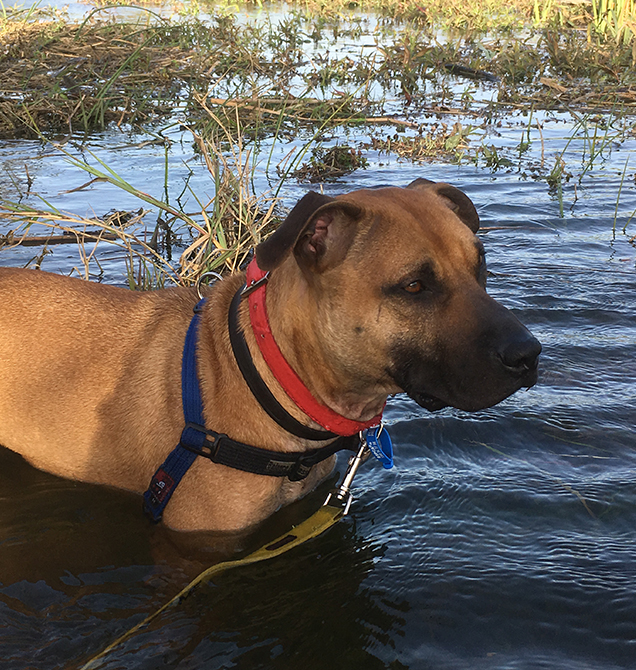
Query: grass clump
(615, 20)
(58, 76)
(218, 237)
(441, 141)
(328, 164)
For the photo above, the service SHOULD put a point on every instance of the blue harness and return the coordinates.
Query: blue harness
(171, 471)
(197, 440)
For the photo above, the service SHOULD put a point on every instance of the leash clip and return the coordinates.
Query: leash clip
(342, 495)
(254, 285)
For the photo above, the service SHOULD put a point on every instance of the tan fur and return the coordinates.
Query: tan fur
(90, 385)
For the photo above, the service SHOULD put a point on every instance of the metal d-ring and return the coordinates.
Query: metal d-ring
(210, 273)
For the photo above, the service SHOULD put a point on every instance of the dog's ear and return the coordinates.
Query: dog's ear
(270, 253)
(325, 240)
(420, 183)
(317, 229)
(457, 200)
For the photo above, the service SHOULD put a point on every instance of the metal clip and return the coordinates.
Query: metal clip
(342, 495)
(254, 285)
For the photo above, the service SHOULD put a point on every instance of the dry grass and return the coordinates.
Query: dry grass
(217, 238)
(58, 77)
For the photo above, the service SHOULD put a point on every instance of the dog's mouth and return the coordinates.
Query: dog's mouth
(429, 402)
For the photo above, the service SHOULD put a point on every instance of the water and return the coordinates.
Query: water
(503, 539)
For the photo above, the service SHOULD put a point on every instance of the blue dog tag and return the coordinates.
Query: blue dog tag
(379, 442)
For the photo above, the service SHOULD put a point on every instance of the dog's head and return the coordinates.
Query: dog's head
(399, 283)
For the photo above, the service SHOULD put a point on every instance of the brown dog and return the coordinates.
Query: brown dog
(371, 293)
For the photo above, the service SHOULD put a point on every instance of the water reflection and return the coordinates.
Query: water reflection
(78, 573)
(502, 539)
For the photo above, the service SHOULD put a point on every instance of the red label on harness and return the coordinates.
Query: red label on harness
(162, 484)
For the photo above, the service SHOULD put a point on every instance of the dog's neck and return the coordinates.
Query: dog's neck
(295, 321)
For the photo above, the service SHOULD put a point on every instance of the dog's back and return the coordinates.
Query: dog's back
(73, 357)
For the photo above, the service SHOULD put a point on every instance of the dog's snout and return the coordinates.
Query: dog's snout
(521, 354)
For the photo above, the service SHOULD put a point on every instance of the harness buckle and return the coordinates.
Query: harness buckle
(203, 442)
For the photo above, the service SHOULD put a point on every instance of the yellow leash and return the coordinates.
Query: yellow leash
(335, 507)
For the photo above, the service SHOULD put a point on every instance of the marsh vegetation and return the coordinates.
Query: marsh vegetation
(262, 99)
(145, 146)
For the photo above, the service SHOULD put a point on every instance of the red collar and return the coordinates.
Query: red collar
(283, 372)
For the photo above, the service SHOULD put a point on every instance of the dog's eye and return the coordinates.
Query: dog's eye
(481, 270)
(414, 287)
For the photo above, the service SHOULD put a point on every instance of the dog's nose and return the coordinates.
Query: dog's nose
(520, 354)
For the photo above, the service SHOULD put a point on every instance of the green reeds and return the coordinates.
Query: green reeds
(615, 19)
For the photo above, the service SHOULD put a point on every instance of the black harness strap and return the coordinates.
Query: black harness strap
(294, 465)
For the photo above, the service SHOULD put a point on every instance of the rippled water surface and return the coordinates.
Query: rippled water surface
(504, 539)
